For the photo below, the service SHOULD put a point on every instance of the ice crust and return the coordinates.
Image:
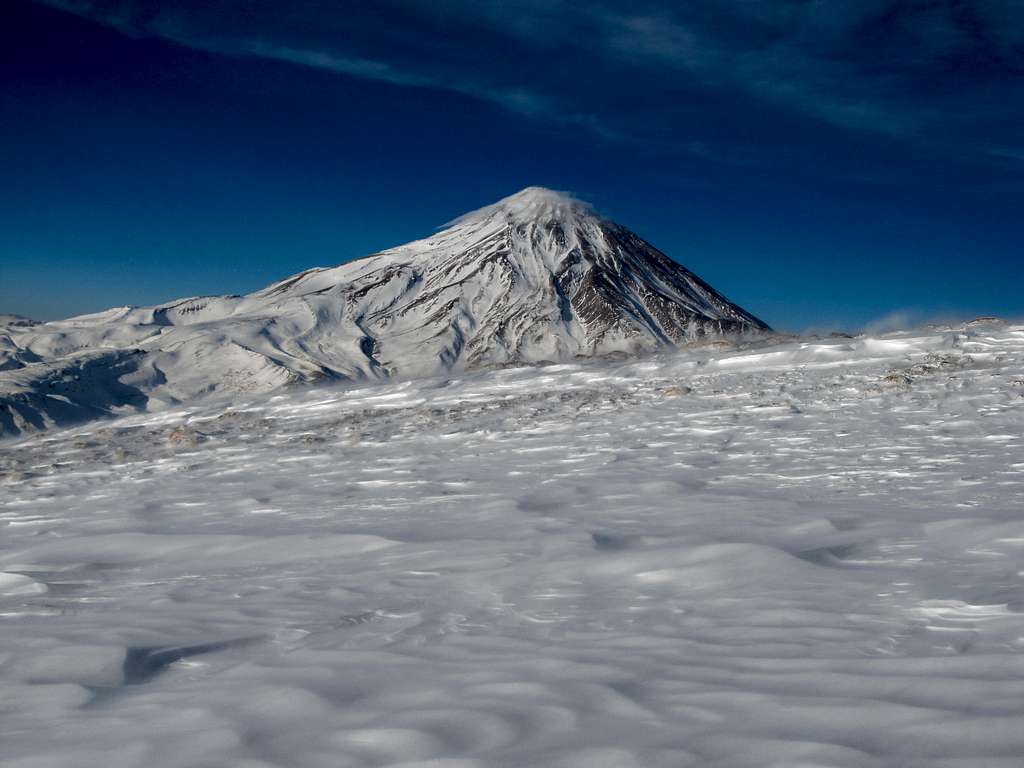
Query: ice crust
(805, 554)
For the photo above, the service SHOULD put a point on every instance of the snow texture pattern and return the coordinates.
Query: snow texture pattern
(806, 553)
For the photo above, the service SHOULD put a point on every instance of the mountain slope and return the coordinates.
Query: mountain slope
(535, 277)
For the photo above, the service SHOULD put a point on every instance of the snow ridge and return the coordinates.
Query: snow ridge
(536, 277)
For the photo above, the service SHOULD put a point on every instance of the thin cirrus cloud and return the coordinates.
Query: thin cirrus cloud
(717, 78)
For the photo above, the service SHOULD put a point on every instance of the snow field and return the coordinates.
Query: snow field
(810, 554)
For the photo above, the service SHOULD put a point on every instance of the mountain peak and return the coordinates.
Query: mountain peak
(532, 204)
(535, 195)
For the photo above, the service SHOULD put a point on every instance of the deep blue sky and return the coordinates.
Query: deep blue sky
(823, 163)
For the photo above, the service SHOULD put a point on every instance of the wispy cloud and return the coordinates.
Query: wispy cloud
(941, 74)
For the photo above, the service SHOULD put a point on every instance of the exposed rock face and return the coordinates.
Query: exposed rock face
(535, 277)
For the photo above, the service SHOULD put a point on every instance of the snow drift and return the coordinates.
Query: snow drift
(805, 554)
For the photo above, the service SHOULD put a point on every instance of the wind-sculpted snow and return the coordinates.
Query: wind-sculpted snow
(807, 554)
(537, 277)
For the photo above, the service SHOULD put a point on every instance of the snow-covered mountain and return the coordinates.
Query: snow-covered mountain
(536, 277)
